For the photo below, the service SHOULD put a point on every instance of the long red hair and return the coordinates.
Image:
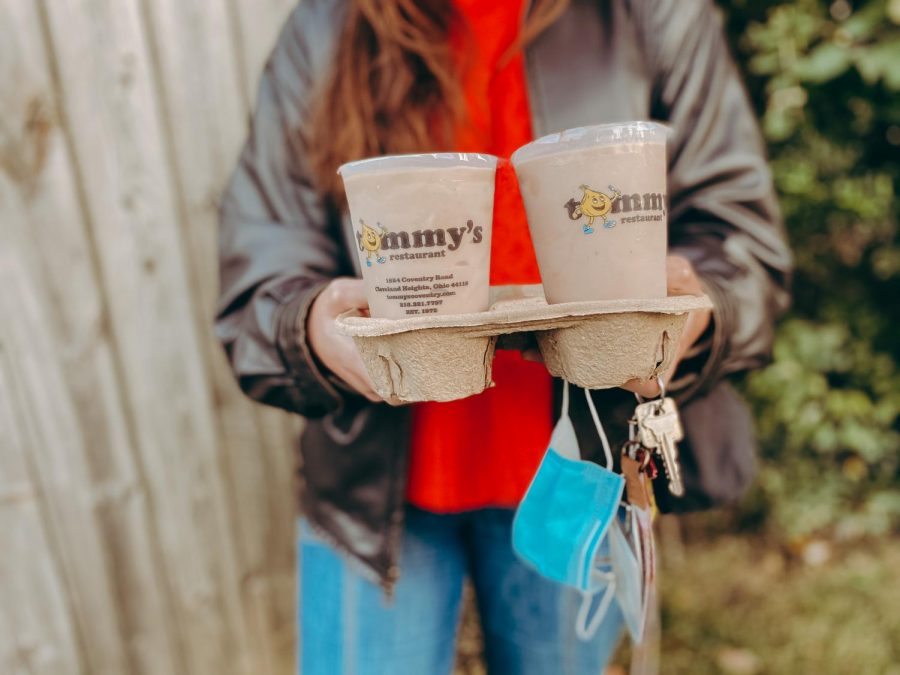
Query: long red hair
(394, 85)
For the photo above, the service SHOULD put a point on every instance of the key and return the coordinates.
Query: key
(659, 428)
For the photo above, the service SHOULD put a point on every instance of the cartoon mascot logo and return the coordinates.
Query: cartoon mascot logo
(594, 204)
(370, 242)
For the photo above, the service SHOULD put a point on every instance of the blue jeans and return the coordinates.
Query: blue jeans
(346, 627)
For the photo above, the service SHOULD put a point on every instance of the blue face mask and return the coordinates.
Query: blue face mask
(624, 555)
(561, 525)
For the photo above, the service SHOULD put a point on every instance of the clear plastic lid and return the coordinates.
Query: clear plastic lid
(439, 160)
(585, 137)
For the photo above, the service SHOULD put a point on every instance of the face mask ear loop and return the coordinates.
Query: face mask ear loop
(565, 400)
(584, 629)
(600, 432)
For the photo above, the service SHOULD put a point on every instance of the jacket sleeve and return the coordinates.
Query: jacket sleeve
(279, 242)
(724, 215)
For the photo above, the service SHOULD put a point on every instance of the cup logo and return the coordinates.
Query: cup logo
(382, 244)
(370, 242)
(596, 205)
(423, 292)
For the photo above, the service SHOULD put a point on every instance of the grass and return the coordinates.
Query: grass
(743, 606)
(736, 605)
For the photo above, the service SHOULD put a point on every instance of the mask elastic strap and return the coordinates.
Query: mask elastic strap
(565, 400)
(600, 432)
(584, 629)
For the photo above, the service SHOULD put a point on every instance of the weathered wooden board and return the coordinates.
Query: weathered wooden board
(146, 505)
(109, 96)
(37, 633)
(205, 119)
(256, 27)
(79, 443)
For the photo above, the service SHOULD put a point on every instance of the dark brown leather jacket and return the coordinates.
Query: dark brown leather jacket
(602, 61)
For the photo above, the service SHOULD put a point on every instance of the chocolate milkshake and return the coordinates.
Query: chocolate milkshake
(423, 231)
(596, 204)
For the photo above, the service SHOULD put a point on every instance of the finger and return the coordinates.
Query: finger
(346, 294)
(645, 388)
(363, 383)
(680, 277)
(696, 324)
(373, 397)
(359, 385)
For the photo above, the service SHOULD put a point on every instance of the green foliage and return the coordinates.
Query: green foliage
(825, 78)
(736, 606)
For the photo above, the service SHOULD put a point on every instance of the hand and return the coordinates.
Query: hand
(337, 352)
(681, 280)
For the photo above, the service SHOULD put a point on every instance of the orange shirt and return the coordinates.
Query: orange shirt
(483, 451)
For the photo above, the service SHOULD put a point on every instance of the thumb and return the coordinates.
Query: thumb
(346, 294)
(680, 276)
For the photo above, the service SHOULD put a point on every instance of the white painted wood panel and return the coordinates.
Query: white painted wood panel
(146, 507)
(204, 115)
(43, 230)
(110, 97)
(36, 627)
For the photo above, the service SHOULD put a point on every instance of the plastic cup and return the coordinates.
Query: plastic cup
(597, 210)
(422, 225)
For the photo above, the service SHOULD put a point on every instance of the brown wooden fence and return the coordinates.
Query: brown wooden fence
(146, 510)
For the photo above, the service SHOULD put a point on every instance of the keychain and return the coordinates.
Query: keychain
(656, 426)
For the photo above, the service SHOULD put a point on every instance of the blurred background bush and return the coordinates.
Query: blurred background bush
(825, 79)
(801, 577)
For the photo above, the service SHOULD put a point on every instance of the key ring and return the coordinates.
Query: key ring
(633, 450)
(662, 391)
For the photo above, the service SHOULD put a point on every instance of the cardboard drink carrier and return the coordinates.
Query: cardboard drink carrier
(599, 320)
(593, 344)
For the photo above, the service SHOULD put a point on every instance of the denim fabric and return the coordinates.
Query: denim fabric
(346, 627)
